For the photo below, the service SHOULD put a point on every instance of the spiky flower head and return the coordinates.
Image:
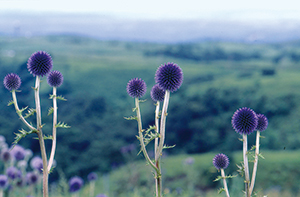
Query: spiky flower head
(262, 122)
(5, 155)
(39, 63)
(18, 152)
(136, 88)
(75, 184)
(244, 121)
(36, 163)
(55, 78)
(3, 181)
(169, 77)
(32, 178)
(157, 93)
(13, 173)
(12, 81)
(221, 161)
(92, 176)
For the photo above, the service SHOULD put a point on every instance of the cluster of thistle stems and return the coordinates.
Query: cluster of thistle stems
(160, 124)
(38, 130)
(249, 185)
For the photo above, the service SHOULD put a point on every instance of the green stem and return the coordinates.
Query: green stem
(40, 136)
(141, 137)
(255, 163)
(157, 163)
(18, 111)
(246, 167)
(224, 182)
(53, 130)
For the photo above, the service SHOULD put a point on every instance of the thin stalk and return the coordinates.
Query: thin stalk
(92, 188)
(18, 111)
(53, 130)
(224, 182)
(40, 136)
(255, 163)
(246, 167)
(157, 163)
(140, 130)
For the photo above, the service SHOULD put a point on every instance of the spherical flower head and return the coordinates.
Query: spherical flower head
(3, 181)
(36, 163)
(12, 81)
(221, 161)
(244, 121)
(136, 88)
(18, 152)
(39, 63)
(157, 93)
(92, 176)
(169, 77)
(55, 78)
(5, 155)
(32, 178)
(262, 122)
(75, 184)
(13, 173)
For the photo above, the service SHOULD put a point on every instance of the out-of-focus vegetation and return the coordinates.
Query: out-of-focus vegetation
(218, 79)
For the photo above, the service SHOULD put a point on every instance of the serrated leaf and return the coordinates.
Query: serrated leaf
(61, 98)
(22, 133)
(167, 147)
(30, 112)
(50, 111)
(131, 118)
(10, 103)
(221, 190)
(261, 156)
(142, 101)
(218, 178)
(49, 137)
(62, 125)
(21, 110)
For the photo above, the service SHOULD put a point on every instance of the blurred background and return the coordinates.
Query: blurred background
(233, 54)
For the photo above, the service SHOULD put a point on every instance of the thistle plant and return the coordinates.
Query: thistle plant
(39, 65)
(168, 78)
(221, 162)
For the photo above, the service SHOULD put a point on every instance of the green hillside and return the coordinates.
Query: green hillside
(218, 79)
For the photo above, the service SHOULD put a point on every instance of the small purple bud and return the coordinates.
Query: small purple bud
(157, 93)
(92, 176)
(221, 161)
(3, 181)
(136, 88)
(75, 184)
(55, 78)
(12, 81)
(262, 122)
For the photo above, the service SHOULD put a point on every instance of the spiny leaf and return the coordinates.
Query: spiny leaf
(50, 111)
(10, 103)
(221, 190)
(261, 156)
(134, 109)
(142, 101)
(62, 125)
(21, 110)
(131, 118)
(167, 147)
(30, 112)
(49, 137)
(61, 98)
(22, 133)
(218, 178)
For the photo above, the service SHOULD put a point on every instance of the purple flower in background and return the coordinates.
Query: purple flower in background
(101, 195)
(13, 173)
(157, 94)
(5, 155)
(18, 152)
(262, 122)
(221, 161)
(39, 63)
(12, 81)
(75, 184)
(92, 176)
(169, 77)
(244, 121)
(3, 181)
(32, 178)
(189, 161)
(36, 163)
(136, 88)
(55, 78)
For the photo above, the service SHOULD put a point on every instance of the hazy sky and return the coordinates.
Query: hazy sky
(235, 9)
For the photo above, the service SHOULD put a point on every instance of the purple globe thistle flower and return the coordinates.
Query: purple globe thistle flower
(157, 93)
(262, 122)
(39, 63)
(169, 77)
(101, 195)
(75, 184)
(5, 155)
(36, 163)
(221, 161)
(92, 176)
(12, 81)
(3, 181)
(32, 178)
(18, 152)
(55, 78)
(136, 88)
(244, 120)
(13, 173)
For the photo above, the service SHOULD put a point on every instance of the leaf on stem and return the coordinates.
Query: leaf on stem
(221, 190)
(50, 111)
(10, 103)
(22, 133)
(21, 110)
(62, 125)
(131, 118)
(30, 112)
(261, 156)
(57, 97)
(167, 147)
(49, 137)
